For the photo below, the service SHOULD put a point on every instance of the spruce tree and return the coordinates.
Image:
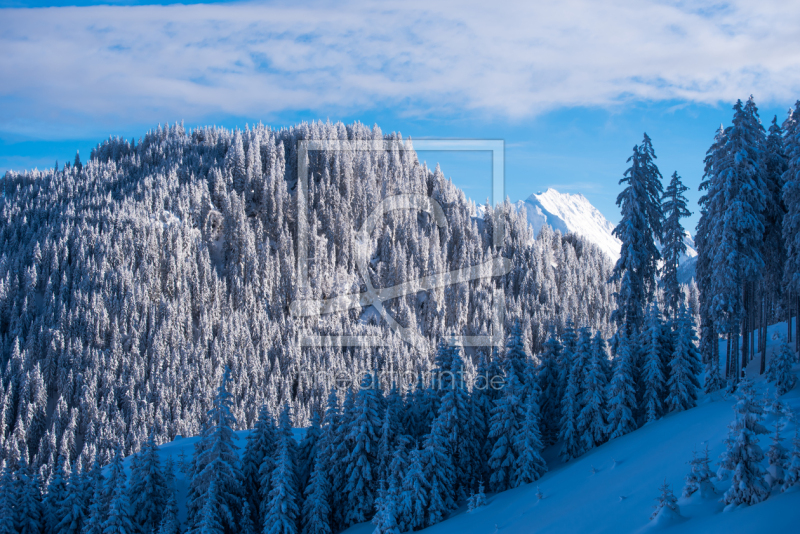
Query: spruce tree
(699, 478)
(316, 516)
(791, 220)
(148, 488)
(215, 460)
(118, 520)
(639, 228)
(439, 472)
(414, 497)
(652, 369)
(673, 244)
(792, 476)
(592, 426)
(777, 457)
(666, 507)
(547, 377)
(29, 513)
(529, 464)
(507, 417)
(282, 507)
(361, 486)
(684, 367)
(73, 512)
(743, 455)
(621, 392)
(260, 447)
(571, 446)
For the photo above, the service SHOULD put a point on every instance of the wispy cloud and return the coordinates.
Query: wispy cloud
(87, 68)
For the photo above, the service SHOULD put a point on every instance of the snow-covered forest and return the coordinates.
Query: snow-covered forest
(145, 294)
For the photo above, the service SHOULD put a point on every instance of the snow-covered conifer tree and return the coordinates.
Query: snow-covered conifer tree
(529, 464)
(56, 493)
(777, 457)
(621, 392)
(592, 425)
(791, 220)
(282, 508)
(699, 478)
(652, 370)
(792, 475)
(674, 208)
(215, 459)
(547, 377)
(118, 520)
(148, 489)
(260, 447)
(29, 511)
(439, 473)
(73, 512)
(743, 455)
(684, 367)
(414, 495)
(781, 365)
(316, 516)
(666, 508)
(572, 444)
(639, 228)
(361, 485)
(507, 416)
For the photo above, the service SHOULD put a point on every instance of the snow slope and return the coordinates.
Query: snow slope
(619, 496)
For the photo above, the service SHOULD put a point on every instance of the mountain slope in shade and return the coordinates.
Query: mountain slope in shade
(574, 213)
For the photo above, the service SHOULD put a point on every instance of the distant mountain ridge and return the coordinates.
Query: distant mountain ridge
(574, 213)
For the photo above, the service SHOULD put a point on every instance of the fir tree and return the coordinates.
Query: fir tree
(674, 209)
(699, 478)
(639, 228)
(362, 462)
(414, 495)
(621, 392)
(652, 370)
(282, 511)
(791, 199)
(592, 425)
(782, 368)
(56, 494)
(385, 519)
(215, 460)
(529, 464)
(73, 513)
(307, 450)
(666, 507)
(316, 506)
(477, 500)
(571, 446)
(743, 455)
(438, 470)
(29, 512)
(148, 488)
(260, 448)
(547, 376)
(683, 367)
(118, 520)
(792, 475)
(777, 457)
(505, 424)
(8, 502)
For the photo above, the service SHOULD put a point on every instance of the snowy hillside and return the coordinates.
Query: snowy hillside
(574, 213)
(613, 488)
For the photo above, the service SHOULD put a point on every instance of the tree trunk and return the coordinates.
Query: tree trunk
(728, 356)
(745, 321)
(797, 324)
(762, 335)
(789, 320)
(753, 315)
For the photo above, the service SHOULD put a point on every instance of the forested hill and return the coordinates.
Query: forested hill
(128, 282)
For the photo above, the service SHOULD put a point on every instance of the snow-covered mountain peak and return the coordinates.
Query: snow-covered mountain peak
(571, 213)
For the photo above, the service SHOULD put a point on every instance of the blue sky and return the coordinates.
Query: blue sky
(570, 85)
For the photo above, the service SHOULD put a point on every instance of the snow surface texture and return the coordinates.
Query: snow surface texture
(574, 213)
(613, 488)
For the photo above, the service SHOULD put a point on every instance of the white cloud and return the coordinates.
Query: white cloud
(104, 65)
